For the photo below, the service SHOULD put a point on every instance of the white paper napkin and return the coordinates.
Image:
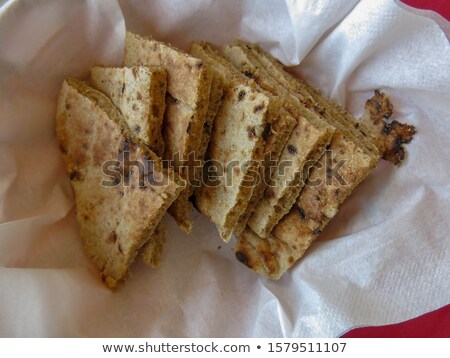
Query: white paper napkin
(385, 258)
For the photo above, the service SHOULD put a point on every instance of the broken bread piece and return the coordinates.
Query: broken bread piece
(387, 135)
(188, 84)
(269, 257)
(119, 202)
(139, 93)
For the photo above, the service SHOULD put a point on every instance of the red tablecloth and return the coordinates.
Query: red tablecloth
(435, 324)
(440, 6)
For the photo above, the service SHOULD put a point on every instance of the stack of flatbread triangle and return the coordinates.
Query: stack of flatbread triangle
(265, 156)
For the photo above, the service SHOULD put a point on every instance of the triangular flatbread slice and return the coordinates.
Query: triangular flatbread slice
(235, 152)
(121, 190)
(139, 93)
(314, 208)
(215, 98)
(305, 145)
(240, 133)
(188, 84)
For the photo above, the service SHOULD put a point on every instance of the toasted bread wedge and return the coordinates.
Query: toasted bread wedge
(301, 152)
(317, 204)
(280, 132)
(215, 98)
(319, 201)
(139, 93)
(306, 144)
(245, 94)
(236, 149)
(188, 84)
(118, 203)
(276, 135)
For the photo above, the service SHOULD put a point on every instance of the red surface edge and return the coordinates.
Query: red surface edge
(442, 7)
(435, 324)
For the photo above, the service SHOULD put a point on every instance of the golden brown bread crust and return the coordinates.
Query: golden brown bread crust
(269, 257)
(115, 219)
(215, 99)
(187, 77)
(176, 134)
(181, 208)
(277, 132)
(188, 86)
